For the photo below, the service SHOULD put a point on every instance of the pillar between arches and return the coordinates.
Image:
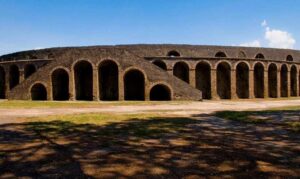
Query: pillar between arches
(192, 77)
(72, 86)
(278, 84)
(233, 84)
(266, 84)
(214, 94)
(95, 85)
(289, 84)
(251, 84)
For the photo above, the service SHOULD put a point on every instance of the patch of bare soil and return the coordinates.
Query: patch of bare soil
(198, 146)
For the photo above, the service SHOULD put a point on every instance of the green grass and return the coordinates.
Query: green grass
(4, 104)
(295, 126)
(243, 116)
(109, 125)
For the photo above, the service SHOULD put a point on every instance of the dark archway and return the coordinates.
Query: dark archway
(181, 71)
(293, 81)
(29, 70)
(224, 80)
(173, 53)
(160, 93)
(242, 80)
(289, 58)
(284, 81)
(220, 55)
(134, 85)
(160, 64)
(83, 73)
(203, 79)
(38, 92)
(60, 85)
(260, 56)
(108, 81)
(272, 80)
(259, 84)
(14, 76)
(2, 83)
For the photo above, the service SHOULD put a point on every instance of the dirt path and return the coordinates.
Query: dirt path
(186, 109)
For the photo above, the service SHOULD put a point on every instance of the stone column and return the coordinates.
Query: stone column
(72, 92)
(297, 84)
(95, 85)
(214, 94)
(170, 71)
(121, 87)
(266, 84)
(289, 83)
(278, 84)
(192, 77)
(21, 75)
(251, 84)
(233, 84)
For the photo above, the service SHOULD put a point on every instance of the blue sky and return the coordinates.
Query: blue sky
(33, 24)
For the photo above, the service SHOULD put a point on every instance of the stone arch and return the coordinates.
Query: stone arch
(14, 76)
(60, 84)
(289, 58)
(29, 69)
(38, 92)
(181, 71)
(242, 80)
(293, 78)
(259, 84)
(284, 81)
(83, 74)
(161, 64)
(203, 79)
(220, 54)
(108, 73)
(272, 80)
(224, 80)
(2, 83)
(260, 56)
(242, 54)
(173, 53)
(134, 85)
(160, 92)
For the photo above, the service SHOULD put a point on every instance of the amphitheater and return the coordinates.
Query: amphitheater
(149, 72)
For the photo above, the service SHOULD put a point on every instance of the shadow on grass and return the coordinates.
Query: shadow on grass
(156, 147)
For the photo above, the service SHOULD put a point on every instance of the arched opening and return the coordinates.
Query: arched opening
(160, 93)
(60, 85)
(272, 80)
(260, 56)
(83, 72)
(293, 81)
(14, 76)
(289, 58)
(2, 83)
(242, 54)
(108, 81)
(220, 55)
(224, 81)
(259, 85)
(203, 79)
(38, 92)
(284, 81)
(29, 70)
(242, 80)
(160, 64)
(134, 84)
(173, 53)
(181, 71)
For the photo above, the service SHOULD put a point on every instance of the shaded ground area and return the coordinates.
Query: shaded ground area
(156, 146)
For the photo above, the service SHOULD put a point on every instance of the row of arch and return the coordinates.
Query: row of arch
(221, 54)
(13, 77)
(223, 79)
(108, 76)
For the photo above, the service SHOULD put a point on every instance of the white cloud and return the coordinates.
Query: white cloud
(274, 38)
(279, 39)
(264, 23)
(255, 43)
